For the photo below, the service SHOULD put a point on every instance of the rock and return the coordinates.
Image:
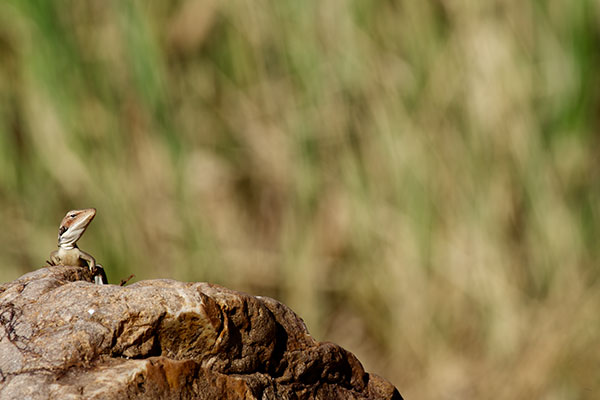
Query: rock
(63, 337)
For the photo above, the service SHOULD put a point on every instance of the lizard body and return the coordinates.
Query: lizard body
(71, 228)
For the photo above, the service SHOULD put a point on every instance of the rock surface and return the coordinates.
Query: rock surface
(63, 337)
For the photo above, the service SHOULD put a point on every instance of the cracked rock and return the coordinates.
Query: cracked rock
(62, 337)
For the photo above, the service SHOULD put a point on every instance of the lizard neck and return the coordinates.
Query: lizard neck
(67, 246)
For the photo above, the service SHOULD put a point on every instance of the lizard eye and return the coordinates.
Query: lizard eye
(72, 215)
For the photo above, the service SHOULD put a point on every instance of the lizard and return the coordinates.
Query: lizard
(71, 228)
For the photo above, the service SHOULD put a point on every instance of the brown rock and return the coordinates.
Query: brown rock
(63, 337)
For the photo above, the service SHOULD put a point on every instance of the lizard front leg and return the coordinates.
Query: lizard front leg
(91, 261)
(54, 258)
(97, 270)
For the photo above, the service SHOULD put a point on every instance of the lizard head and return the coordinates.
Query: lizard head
(73, 225)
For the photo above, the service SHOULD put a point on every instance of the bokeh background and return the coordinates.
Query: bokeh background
(419, 180)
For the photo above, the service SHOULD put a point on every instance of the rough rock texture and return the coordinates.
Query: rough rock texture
(64, 337)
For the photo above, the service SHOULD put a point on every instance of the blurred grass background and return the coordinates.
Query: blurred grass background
(418, 180)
